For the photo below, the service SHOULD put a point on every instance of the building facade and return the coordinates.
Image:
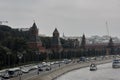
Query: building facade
(56, 45)
(34, 42)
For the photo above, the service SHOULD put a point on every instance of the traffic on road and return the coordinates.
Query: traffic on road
(104, 72)
(26, 72)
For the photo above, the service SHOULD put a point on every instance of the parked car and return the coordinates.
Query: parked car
(93, 58)
(33, 67)
(44, 64)
(116, 63)
(56, 62)
(83, 59)
(52, 63)
(14, 72)
(40, 69)
(48, 68)
(25, 70)
(10, 73)
(6, 75)
(66, 61)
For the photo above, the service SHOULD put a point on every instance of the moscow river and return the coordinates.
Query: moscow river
(104, 72)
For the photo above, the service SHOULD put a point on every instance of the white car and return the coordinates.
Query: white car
(25, 70)
(52, 63)
(14, 72)
(6, 75)
(44, 64)
(116, 63)
(93, 67)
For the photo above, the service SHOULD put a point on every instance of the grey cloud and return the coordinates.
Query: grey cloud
(73, 17)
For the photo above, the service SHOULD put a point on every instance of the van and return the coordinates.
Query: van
(116, 63)
(14, 72)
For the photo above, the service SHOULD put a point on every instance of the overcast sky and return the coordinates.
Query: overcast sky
(71, 17)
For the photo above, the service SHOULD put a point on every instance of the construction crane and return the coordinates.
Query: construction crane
(1, 22)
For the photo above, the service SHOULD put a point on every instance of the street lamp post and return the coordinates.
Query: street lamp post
(47, 59)
(8, 53)
(59, 52)
(24, 52)
(19, 55)
(37, 54)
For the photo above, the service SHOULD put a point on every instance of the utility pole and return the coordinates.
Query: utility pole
(107, 29)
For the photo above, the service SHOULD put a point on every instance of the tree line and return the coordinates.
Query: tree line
(14, 42)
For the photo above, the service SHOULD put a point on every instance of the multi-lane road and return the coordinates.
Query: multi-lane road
(104, 72)
(34, 73)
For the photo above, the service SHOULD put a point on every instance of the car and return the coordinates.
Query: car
(44, 64)
(107, 57)
(83, 59)
(66, 61)
(6, 75)
(33, 67)
(87, 59)
(14, 72)
(116, 63)
(48, 68)
(40, 65)
(118, 56)
(48, 64)
(2, 73)
(93, 58)
(25, 70)
(52, 63)
(40, 69)
(56, 62)
(93, 67)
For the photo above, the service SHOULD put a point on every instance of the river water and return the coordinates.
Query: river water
(104, 72)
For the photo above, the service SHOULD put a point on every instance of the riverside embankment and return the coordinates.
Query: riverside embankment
(62, 70)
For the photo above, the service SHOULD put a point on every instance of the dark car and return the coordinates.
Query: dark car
(48, 68)
(40, 69)
(83, 59)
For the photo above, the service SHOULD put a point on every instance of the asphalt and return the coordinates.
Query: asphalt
(51, 75)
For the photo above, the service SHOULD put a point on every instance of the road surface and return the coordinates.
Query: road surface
(104, 72)
(33, 73)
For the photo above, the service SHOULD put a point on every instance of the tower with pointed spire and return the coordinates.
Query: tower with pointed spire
(83, 42)
(56, 33)
(34, 40)
(110, 44)
(55, 42)
(34, 30)
(110, 47)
